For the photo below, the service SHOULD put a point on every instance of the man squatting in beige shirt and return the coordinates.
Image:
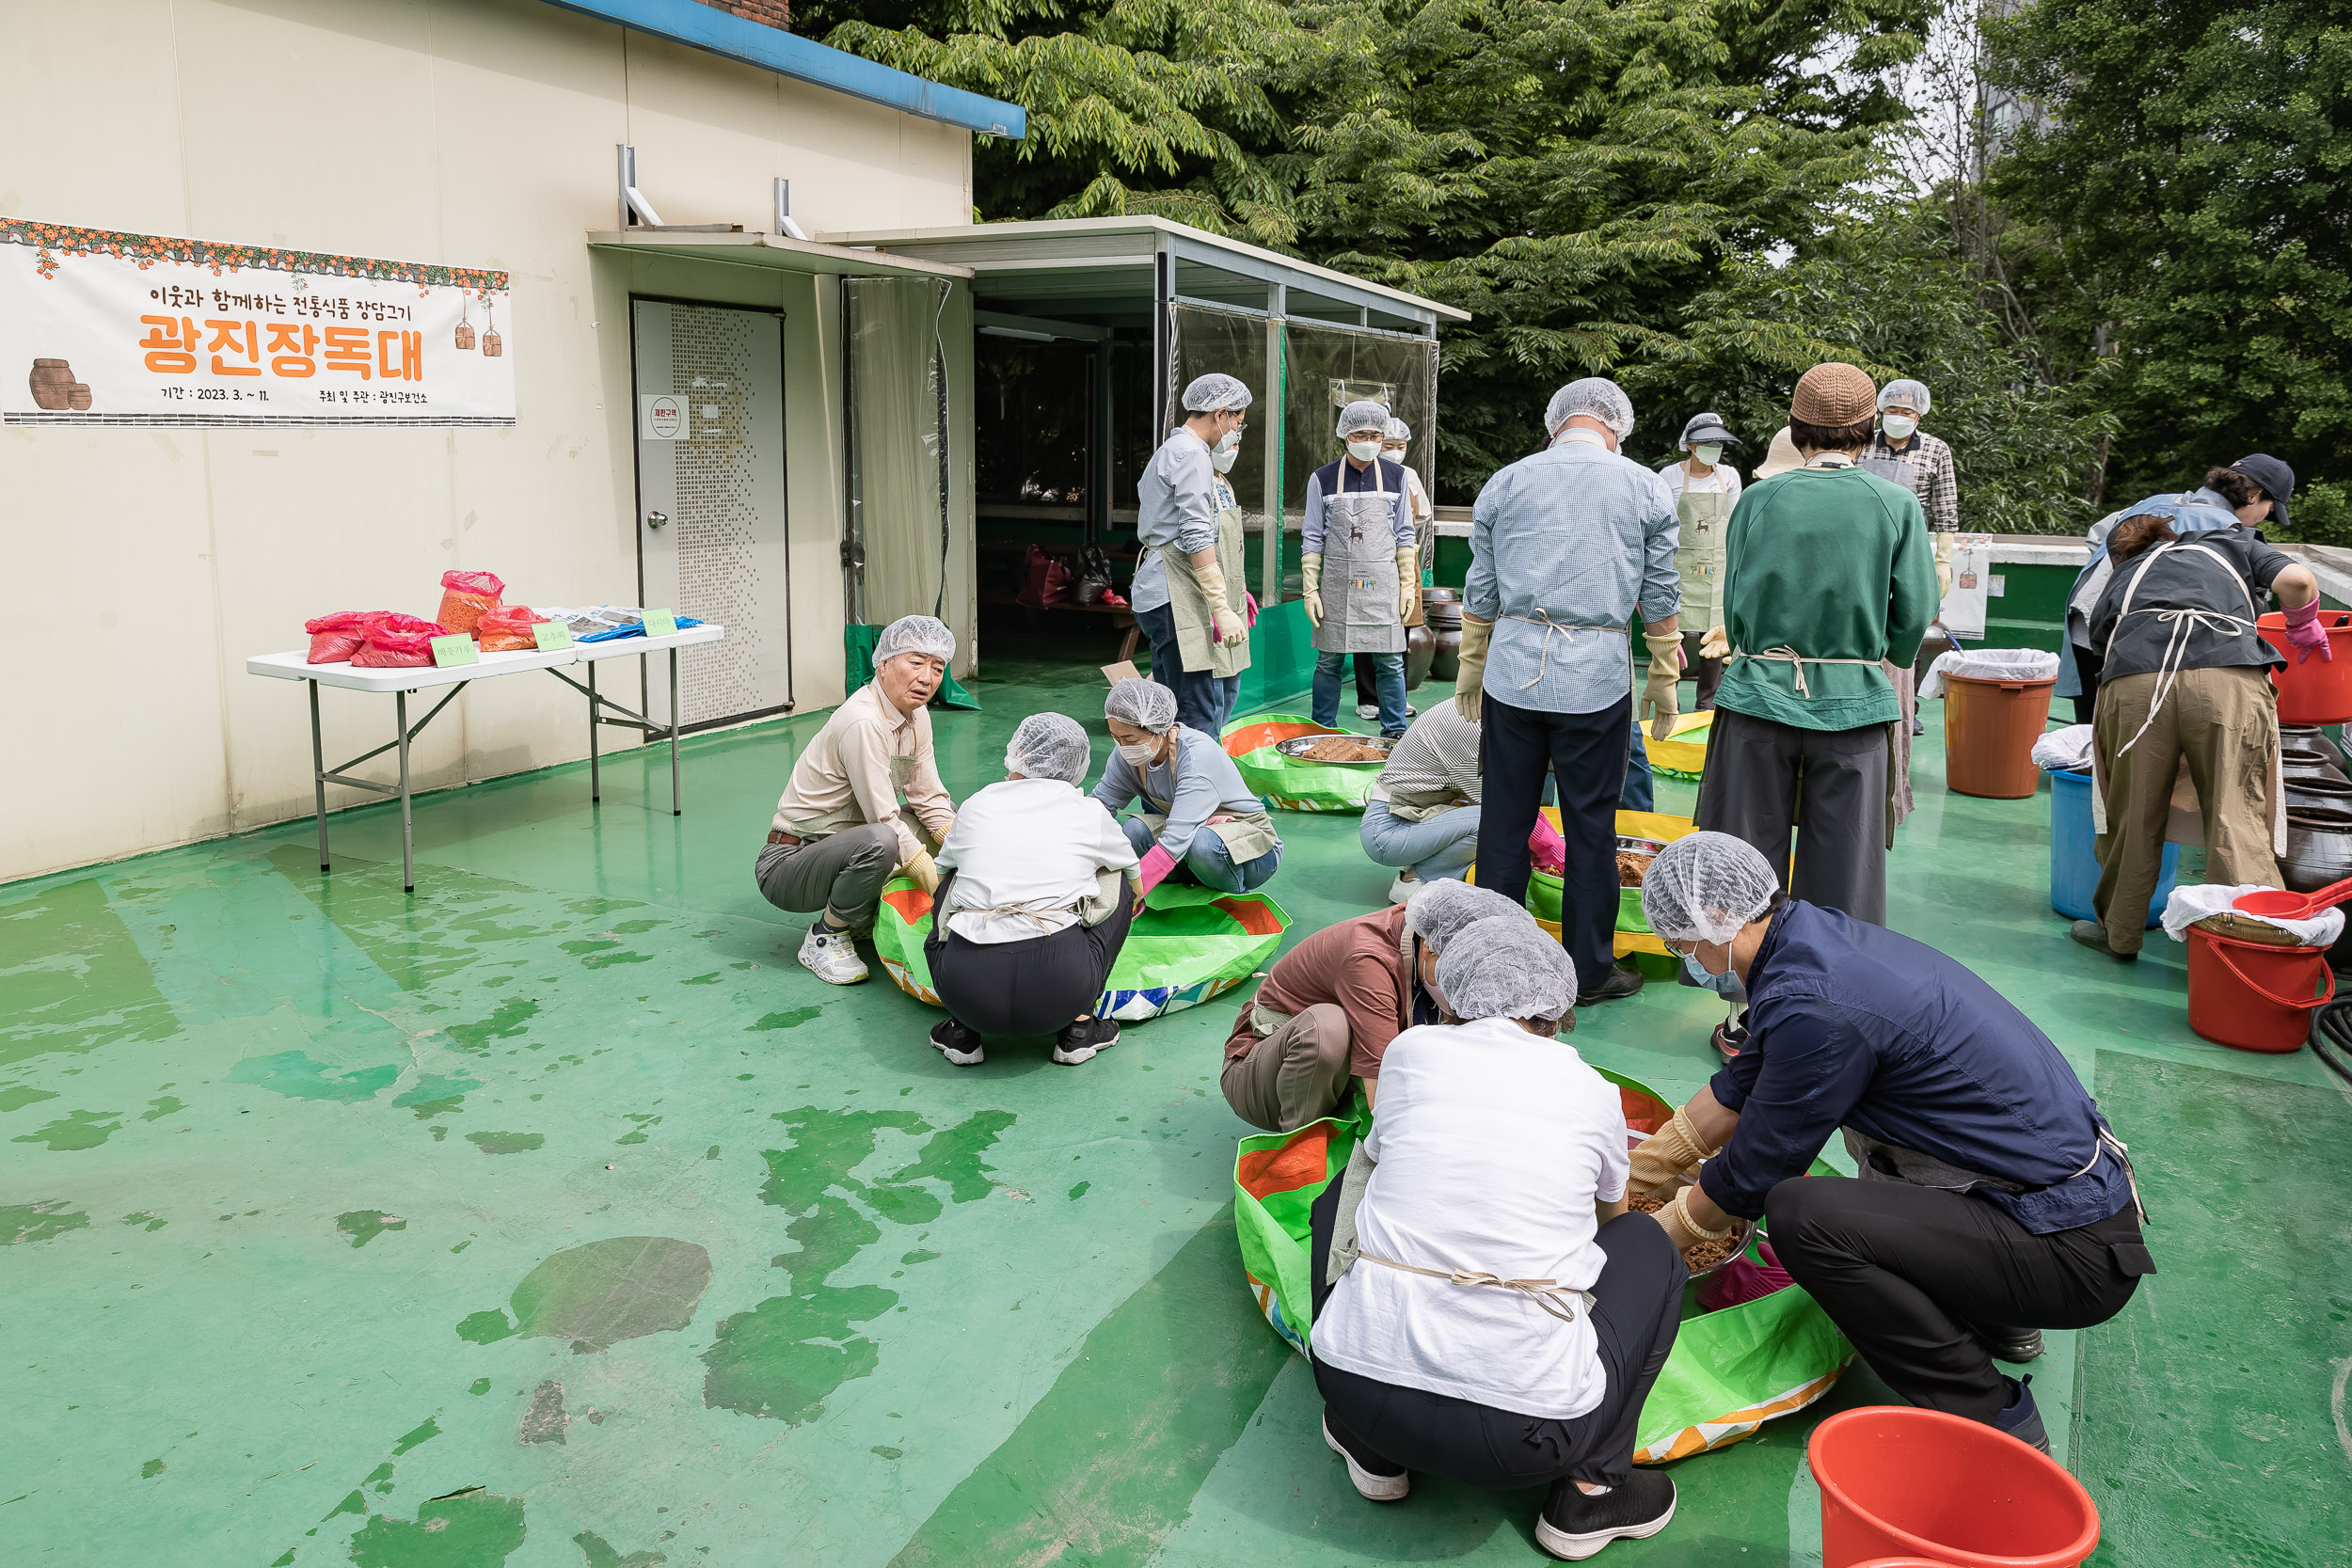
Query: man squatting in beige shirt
(839, 834)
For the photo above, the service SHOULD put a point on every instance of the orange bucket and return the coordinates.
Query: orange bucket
(2319, 692)
(1989, 730)
(2253, 996)
(1910, 1484)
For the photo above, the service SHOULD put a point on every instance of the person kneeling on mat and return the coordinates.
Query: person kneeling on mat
(1330, 1006)
(1034, 903)
(1504, 1315)
(1199, 823)
(1422, 815)
(1992, 1200)
(839, 833)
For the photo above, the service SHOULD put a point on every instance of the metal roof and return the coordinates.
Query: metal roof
(776, 251)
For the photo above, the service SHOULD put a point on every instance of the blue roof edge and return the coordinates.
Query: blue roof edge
(690, 21)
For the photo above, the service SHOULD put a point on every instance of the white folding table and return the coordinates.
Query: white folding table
(405, 683)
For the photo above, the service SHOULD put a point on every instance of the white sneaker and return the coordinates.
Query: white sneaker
(1367, 710)
(831, 956)
(1402, 888)
(1410, 711)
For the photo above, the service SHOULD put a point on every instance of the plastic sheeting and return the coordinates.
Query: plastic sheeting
(2189, 905)
(2066, 750)
(1988, 664)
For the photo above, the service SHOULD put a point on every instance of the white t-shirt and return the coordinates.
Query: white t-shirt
(1036, 842)
(1492, 1145)
(1682, 481)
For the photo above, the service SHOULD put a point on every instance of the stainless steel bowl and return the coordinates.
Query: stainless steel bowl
(1743, 1229)
(1297, 746)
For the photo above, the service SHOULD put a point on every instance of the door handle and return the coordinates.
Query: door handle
(655, 519)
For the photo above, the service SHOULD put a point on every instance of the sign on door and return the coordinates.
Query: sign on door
(665, 418)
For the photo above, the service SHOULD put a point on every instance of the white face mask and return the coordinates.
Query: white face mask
(1898, 426)
(1363, 451)
(1709, 453)
(1394, 454)
(1137, 755)
(1224, 459)
(1229, 441)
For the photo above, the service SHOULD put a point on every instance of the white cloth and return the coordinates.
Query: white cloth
(2189, 905)
(1492, 1146)
(1722, 477)
(2067, 749)
(1026, 852)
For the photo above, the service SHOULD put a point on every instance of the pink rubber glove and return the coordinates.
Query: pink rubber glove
(1155, 867)
(1249, 606)
(1549, 849)
(2307, 634)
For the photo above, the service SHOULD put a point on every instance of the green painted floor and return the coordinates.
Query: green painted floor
(553, 1216)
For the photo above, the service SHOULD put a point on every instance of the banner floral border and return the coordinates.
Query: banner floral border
(53, 240)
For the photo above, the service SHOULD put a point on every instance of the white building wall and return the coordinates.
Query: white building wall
(150, 564)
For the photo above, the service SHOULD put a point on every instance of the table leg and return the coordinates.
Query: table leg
(675, 809)
(408, 836)
(595, 784)
(318, 772)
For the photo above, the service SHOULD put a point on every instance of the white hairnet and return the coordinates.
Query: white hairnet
(1705, 887)
(1048, 746)
(914, 634)
(1215, 390)
(1363, 414)
(1597, 395)
(1146, 704)
(1398, 430)
(1506, 967)
(1438, 909)
(1911, 394)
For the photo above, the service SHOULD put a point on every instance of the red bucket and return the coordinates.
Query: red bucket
(2319, 692)
(1906, 1484)
(2254, 995)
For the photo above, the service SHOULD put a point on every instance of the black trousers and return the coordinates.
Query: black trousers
(2089, 665)
(1587, 753)
(1637, 1309)
(1904, 1271)
(1032, 986)
(1763, 777)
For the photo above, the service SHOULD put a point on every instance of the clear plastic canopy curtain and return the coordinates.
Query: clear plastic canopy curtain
(897, 444)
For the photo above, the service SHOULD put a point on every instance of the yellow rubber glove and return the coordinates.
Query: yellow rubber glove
(1667, 1157)
(1310, 583)
(1943, 563)
(1715, 645)
(1682, 1230)
(1224, 625)
(1475, 633)
(925, 874)
(1408, 583)
(1659, 705)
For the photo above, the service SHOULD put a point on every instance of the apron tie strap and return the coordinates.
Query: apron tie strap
(1796, 661)
(1543, 618)
(1549, 1294)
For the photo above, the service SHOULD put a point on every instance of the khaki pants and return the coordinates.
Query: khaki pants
(1293, 1076)
(2225, 724)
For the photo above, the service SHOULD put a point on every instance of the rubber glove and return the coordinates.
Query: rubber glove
(1310, 585)
(2307, 634)
(1224, 625)
(1715, 645)
(1154, 870)
(925, 873)
(1668, 1156)
(1546, 849)
(1943, 563)
(1682, 1230)
(1249, 606)
(1408, 583)
(1466, 688)
(1658, 704)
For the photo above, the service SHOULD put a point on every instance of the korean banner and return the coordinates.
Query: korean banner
(104, 329)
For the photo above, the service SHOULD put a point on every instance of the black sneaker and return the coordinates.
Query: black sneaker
(2019, 1418)
(2015, 1346)
(1574, 1526)
(1621, 982)
(2094, 936)
(960, 1045)
(1376, 1479)
(1078, 1041)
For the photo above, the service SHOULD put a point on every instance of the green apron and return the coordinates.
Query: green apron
(1188, 602)
(1706, 518)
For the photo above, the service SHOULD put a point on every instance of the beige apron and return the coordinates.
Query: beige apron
(1188, 602)
(1359, 584)
(1706, 518)
(1247, 837)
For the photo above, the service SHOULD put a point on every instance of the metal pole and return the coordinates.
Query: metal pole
(1269, 406)
(595, 784)
(675, 809)
(318, 772)
(408, 834)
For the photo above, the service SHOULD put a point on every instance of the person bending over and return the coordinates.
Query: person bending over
(1200, 822)
(1992, 1199)
(1330, 1006)
(839, 832)
(1504, 1315)
(1422, 815)
(1034, 903)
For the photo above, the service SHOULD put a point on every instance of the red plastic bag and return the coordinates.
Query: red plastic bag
(335, 638)
(507, 630)
(1047, 582)
(467, 596)
(395, 642)
(1740, 1281)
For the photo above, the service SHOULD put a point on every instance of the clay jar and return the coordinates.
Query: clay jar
(2319, 847)
(2327, 794)
(53, 384)
(1421, 649)
(2296, 763)
(2310, 737)
(1444, 614)
(77, 398)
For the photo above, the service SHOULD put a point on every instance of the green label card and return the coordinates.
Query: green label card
(660, 623)
(456, 648)
(552, 635)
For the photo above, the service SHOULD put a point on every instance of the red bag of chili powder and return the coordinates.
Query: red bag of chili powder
(335, 638)
(395, 642)
(466, 597)
(507, 630)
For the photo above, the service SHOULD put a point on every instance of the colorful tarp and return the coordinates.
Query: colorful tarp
(1291, 784)
(1683, 753)
(1634, 933)
(1187, 946)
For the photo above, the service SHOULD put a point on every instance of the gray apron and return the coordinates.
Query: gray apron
(1188, 603)
(1359, 584)
(1705, 519)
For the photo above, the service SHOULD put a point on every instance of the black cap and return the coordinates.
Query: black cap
(1708, 427)
(2276, 478)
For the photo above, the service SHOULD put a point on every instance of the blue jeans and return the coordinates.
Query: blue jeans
(1203, 702)
(1638, 782)
(1443, 846)
(1390, 683)
(1206, 861)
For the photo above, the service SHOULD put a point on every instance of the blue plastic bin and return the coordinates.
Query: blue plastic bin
(2075, 853)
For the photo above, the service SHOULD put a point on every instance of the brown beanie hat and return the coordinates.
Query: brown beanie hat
(1834, 393)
